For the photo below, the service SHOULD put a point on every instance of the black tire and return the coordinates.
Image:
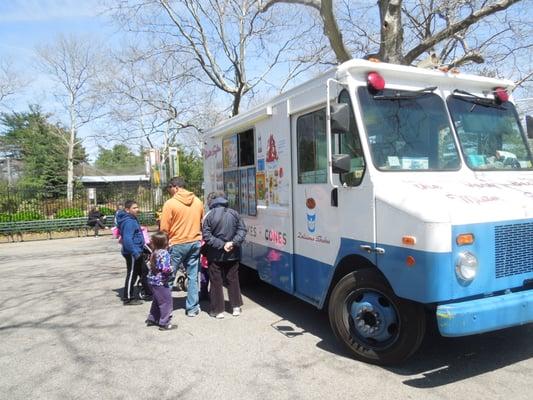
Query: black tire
(182, 283)
(374, 324)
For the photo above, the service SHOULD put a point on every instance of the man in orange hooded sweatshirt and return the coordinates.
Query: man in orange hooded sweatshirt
(181, 219)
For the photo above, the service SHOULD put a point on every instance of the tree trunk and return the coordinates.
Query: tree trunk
(70, 151)
(391, 46)
(70, 165)
(237, 97)
(331, 28)
(332, 31)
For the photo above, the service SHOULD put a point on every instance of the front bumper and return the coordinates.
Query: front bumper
(486, 314)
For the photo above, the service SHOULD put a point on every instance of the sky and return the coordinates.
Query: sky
(26, 24)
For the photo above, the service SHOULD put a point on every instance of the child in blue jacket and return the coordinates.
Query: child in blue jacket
(132, 250)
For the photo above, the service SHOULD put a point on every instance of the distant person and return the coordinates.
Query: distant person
(132, 250)
(96, 220)
(159, 275)
(115, 231)
(224, 232)
(181, 218)
(119, 208)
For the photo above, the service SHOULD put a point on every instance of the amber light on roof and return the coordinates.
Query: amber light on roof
(409, 240)
(464, 238)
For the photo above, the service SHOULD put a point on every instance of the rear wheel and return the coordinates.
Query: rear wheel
(372, 322)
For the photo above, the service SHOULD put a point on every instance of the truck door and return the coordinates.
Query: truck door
(330, 218)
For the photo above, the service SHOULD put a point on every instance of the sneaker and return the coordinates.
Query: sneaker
(217, 316)
(193, 313)
(150, 323)
(132, 302)
(168, 327)
(236, 311)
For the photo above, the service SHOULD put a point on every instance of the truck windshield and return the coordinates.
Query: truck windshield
(490, 135)
(408, 131)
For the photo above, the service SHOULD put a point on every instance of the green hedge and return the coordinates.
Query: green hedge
(108, 212)
(21, 216)
(70, 213)
(5, 217)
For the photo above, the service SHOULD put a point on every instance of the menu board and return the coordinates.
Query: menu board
(252, 203)
(230, 152)
(231, 187)
(243, 189)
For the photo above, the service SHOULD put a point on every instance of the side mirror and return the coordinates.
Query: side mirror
(340, 118)
(529, 126)
(341, 163)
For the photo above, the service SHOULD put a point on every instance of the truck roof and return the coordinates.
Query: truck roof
(357, 69)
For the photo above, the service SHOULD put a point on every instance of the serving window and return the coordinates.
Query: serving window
(239, 172)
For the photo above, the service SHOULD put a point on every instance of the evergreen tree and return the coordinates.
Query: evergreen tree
(43, 150)
(191, 167)
(119, 160)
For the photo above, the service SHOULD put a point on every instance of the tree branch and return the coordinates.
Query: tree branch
(316, 4)
(452, 29)
(331, 28)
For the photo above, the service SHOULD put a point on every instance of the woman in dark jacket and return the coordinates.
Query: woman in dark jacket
(224, 232)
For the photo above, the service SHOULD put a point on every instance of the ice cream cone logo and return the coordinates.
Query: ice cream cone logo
(272, 152)
(310, 205)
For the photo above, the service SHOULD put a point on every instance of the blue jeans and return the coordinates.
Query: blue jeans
(188, 254)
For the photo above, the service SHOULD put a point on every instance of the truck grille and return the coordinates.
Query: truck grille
(513, 249)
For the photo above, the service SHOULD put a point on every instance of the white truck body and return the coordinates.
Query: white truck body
(420, 175)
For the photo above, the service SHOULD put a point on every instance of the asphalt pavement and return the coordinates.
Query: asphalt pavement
(64, 334)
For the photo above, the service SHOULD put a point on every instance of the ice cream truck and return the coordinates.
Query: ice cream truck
(387, 195)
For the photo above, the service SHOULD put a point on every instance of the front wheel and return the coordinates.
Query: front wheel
(372, 322)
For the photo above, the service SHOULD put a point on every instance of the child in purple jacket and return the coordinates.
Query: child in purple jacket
(159, 280)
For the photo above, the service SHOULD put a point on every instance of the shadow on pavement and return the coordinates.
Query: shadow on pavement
(442, 360)
(439, 361)
(296, 316)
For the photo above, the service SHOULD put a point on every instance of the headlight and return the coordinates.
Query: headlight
(466, 266)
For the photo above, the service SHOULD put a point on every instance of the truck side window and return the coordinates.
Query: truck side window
(312, 147)
(350, 143)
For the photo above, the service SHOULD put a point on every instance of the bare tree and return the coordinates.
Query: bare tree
(455, 29)
(430, 23)
(154, 96)
(74, 64)
(234, 44)
(11, 81)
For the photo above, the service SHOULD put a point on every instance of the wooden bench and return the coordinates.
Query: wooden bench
(18, 228)
(79, 224)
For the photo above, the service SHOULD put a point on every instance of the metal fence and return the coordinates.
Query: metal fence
(25, 204)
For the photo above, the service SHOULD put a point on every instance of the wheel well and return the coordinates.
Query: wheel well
(347, 265)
